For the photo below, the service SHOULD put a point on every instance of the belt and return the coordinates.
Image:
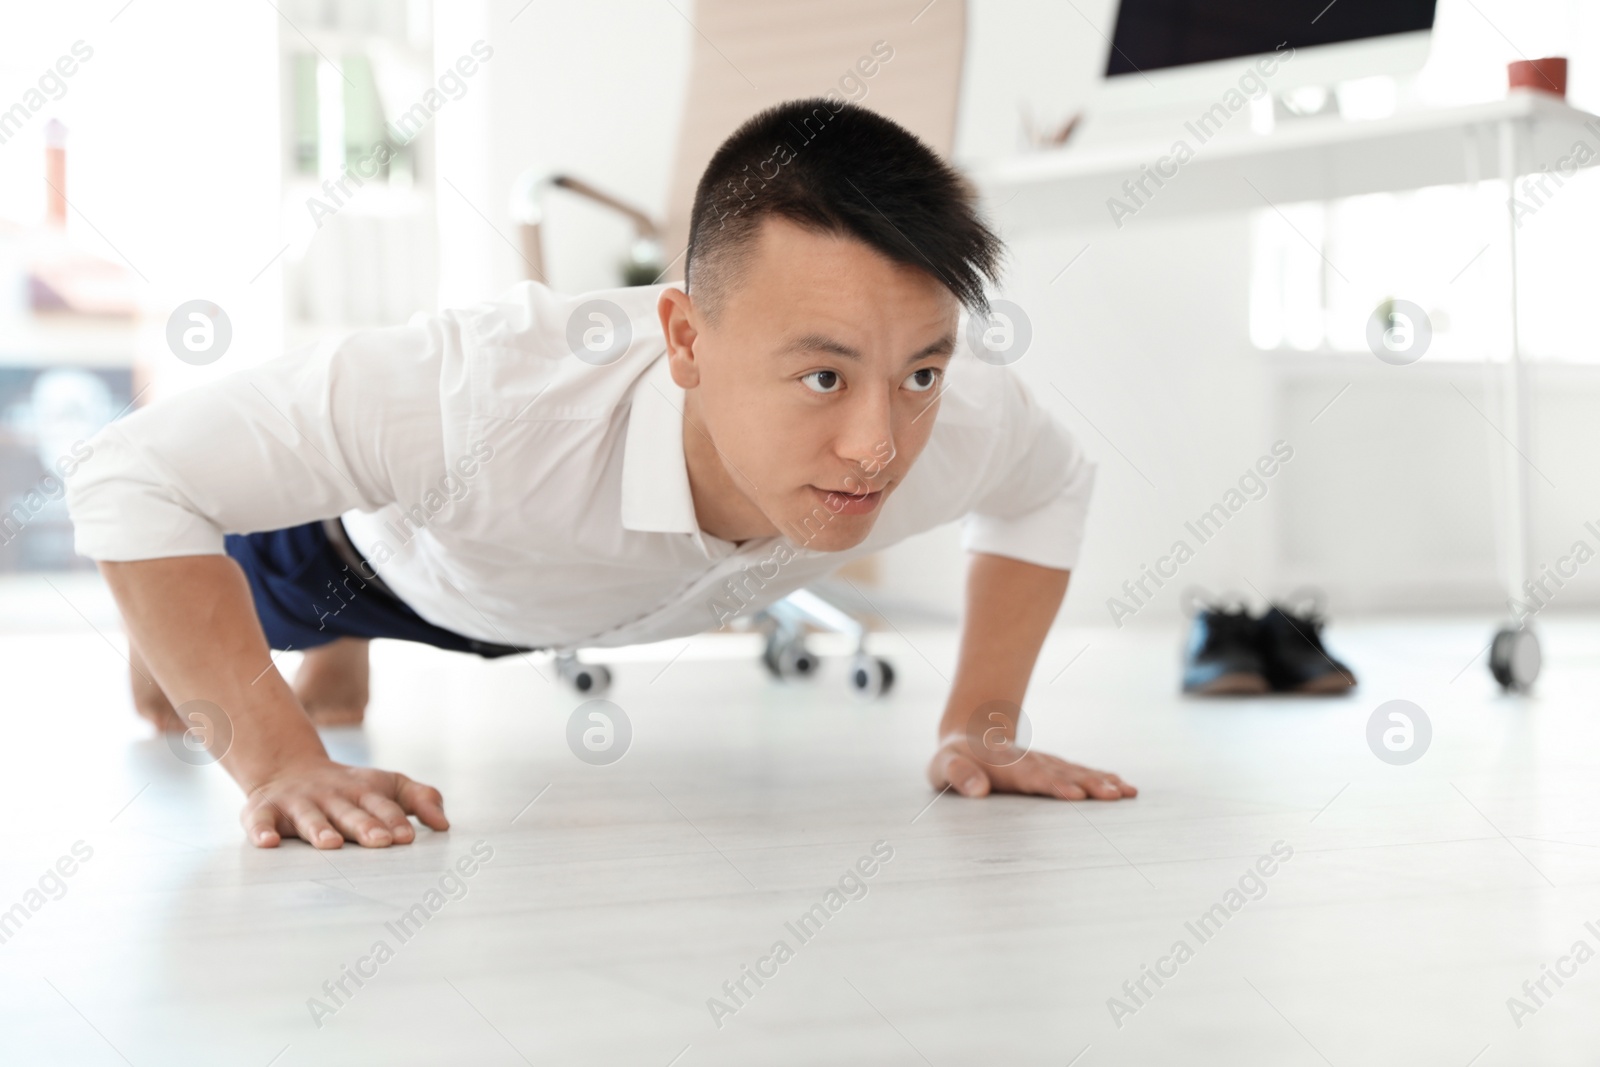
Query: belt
(345, 549)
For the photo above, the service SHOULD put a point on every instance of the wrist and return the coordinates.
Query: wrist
(255, 770)
(971, 711)
(268, 745)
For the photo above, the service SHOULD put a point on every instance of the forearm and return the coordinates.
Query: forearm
(194, 623)
(1010, 606)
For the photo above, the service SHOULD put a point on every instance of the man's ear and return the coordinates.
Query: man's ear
(679, 326)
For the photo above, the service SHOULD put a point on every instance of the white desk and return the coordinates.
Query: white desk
(1237, 169)
(1310, 159)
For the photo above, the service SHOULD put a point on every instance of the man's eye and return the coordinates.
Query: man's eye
(923, 379)
(827, 381)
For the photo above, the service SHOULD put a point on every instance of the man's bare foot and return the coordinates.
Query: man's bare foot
(148, 699)
(332, 682)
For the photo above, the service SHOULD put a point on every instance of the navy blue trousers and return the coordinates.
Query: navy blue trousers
(307, 595)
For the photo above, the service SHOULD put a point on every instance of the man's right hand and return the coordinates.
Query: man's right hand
(193, 626)
(324, 803)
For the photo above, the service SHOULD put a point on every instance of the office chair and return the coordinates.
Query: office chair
(795, 50)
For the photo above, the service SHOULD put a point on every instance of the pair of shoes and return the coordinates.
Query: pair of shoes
(1234, 653)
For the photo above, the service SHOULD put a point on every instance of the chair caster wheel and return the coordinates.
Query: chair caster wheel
(870, 676)
(786, 657)
(588, 679)
(1514, 659)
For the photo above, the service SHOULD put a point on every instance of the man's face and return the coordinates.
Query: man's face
(814, 389)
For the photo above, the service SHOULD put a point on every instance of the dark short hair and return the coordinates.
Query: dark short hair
(837, 167)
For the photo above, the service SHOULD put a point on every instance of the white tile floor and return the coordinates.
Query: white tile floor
(1417, 899)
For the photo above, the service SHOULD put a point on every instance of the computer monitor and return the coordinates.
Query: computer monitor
(1165, 52)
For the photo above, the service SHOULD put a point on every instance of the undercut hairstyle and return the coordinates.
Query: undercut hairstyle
(835, 167)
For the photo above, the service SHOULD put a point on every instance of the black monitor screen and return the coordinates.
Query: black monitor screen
(1153, 34)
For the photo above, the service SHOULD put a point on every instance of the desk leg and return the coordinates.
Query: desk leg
(1514, 656)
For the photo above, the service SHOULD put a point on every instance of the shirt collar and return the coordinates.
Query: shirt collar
(655, 474)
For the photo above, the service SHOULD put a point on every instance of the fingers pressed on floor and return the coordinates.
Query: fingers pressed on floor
(357, 824)
(313, 826)
(391, 815)
(423, 801)
(965, 777)
(261, 826)
(1066, 789)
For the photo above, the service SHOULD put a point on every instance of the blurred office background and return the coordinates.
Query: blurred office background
(189, 142)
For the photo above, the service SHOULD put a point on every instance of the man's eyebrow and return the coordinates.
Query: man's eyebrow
(817, 342)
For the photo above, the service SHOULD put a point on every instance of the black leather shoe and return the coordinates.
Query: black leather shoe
(1295, 659)
(1223, 656)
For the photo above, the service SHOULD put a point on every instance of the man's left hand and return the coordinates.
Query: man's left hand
(1015, 771)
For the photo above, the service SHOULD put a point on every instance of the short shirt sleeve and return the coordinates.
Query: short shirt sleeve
(1034, 501)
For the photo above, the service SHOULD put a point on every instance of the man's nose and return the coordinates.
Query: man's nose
(867, 442)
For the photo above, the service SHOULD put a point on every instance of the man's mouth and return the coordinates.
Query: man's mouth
(841, 502)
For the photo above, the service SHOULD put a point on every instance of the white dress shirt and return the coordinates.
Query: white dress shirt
(511, 492)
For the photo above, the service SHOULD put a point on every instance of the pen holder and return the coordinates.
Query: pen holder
(1548, 75)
